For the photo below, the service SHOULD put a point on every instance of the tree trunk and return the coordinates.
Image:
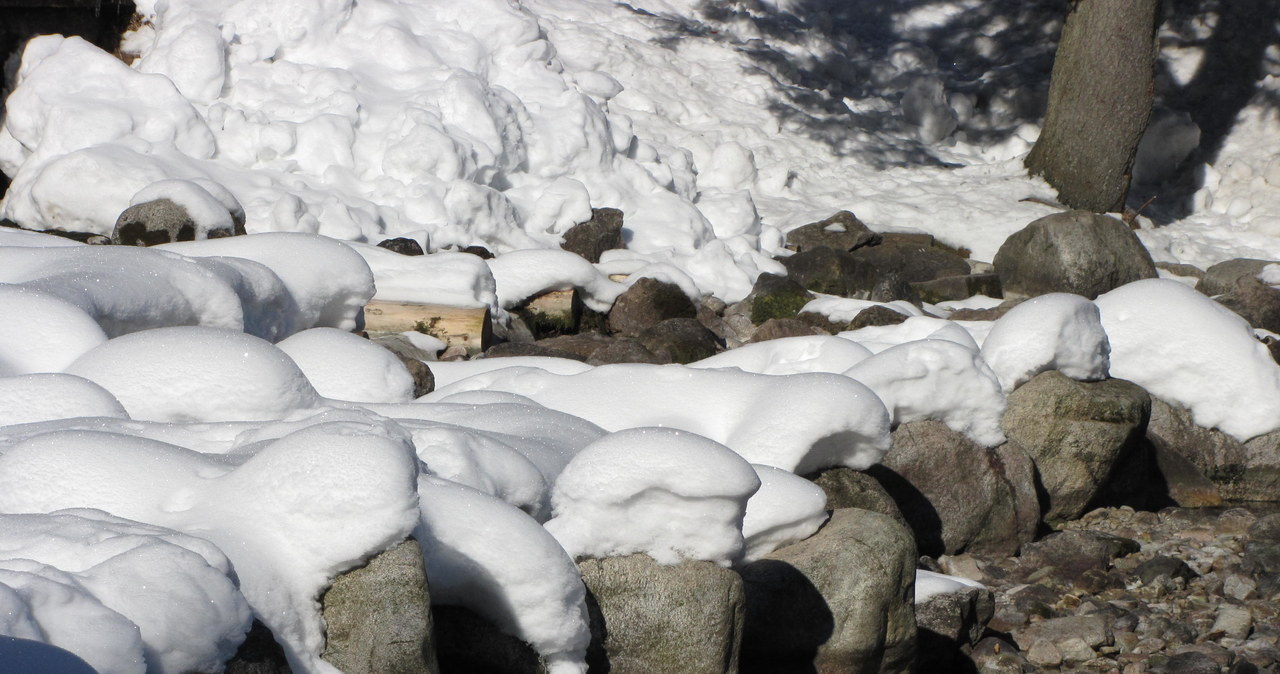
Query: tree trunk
(1099, 102)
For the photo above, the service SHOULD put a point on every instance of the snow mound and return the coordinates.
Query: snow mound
(296, 512)
(330, 283)
(880, 337)
(524, 274)
(491, 557)
(790, 355)
(1185, 348)
(940, 380)
(448, 278)
(670, 494)
(845, 309)
(178, 590)
(801, 422)
(345, 366)
(788, 508)
(43, 333)
(126, 289)
(32, 398)
(188, 374)
(1058, 331)
(929, 584)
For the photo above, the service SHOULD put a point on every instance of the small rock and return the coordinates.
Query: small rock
(1234, 622)
(831, 272)
(1044, 653)
(780, 328)
(1192, 662)
(876, 316)
(914, 258)
(591, 238)
(774, 296)
(1169, 567)
(1075, 650)
(402, 245)
(681, 340)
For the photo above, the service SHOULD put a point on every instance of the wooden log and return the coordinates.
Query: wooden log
(468, 327)
(553, 313)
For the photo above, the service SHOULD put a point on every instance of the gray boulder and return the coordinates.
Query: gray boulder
(684, 617)
(959, 496)
(914, 257)
(842, 231)
(950, 288)
(1235, 285)
(645, 304)
(1073, 252)
(1076, 433)
(591, 238)
(1204, 466)
(831, 272)
(164, 221)
(839, 601)
(378, 616)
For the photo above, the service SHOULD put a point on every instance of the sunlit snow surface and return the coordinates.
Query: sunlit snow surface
(148, 384)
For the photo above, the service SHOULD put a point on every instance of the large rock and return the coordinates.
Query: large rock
(959, 496)
(684, 617)
(773, 297)
(378, 616)
(591, 238)
(842, 231)
(1204, 466)
(1235, 285)
(849, 488)
(831, 272)
(1076, 433)
(914, 257)
(839, 601)
(164, 221)
(1073, 252)
(680, 340)
(645, 304)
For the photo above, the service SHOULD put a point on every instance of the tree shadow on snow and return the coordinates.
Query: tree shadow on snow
(1234, 38)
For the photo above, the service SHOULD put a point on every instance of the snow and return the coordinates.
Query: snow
(940, 380)
(1202, 356)
(207, 391)
(930, 584)
(341, 365)
(496, 560)
(1057, 331)
(197, 374)
(755, 415)
(669, 494)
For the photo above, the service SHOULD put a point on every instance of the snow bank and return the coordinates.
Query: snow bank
(1058, 331)
(1187, 349)
(494, 559)
(940, 380)
(800, 422)
(448, 278)
(291, 516)
(790, 355)
(42, 333)
(32, 398)
(345, 366)
(197, 374)
(669, 494)
(786, 509)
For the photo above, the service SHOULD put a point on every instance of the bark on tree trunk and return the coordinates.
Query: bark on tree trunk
(1099, 102)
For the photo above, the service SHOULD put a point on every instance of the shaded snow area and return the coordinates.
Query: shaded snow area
(191, 437)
